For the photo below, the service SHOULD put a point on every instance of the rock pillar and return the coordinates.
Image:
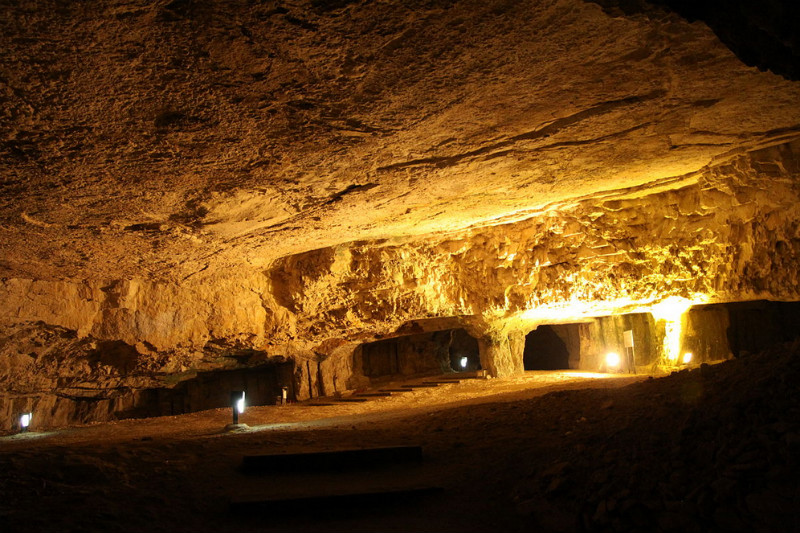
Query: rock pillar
(501, 355)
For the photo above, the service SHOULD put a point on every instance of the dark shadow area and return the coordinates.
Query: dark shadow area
(464, 352)
(116, 354)
(571, 335)
(424, 353)
(761, 34)
(756, 326)
(211, 390)
(545, 350)
(382, 358)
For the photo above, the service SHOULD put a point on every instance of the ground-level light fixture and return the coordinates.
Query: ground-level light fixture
(687, 358)
(612, 360)
(237, 404)
(25, 421)
(464, 361)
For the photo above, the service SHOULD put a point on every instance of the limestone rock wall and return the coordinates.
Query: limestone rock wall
(603, 335)
(706, 332)
(159, 139)
(81, 351)
(728, 233)
(406, 356)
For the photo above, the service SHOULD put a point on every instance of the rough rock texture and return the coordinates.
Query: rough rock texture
(157, 139)
(762, 35)
(727, 233)
(714, 449)
(723, 460)
(182, 181)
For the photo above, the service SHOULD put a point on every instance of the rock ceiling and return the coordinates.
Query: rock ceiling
(155, 140)
(180, 179)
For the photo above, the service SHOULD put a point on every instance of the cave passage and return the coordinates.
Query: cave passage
(422, 354)
(211, 390)
(546, 347)
(759, 324)
(464, 352)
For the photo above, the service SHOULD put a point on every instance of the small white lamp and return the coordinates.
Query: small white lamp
(237, 404)
(25, 421)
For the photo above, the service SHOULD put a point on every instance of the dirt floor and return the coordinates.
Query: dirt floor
(709, 449)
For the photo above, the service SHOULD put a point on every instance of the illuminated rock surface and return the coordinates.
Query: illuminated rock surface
(187, 184)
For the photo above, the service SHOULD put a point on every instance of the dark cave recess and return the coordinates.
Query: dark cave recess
(425, 353)
(545, 350)
(211, 390)
(762, 34)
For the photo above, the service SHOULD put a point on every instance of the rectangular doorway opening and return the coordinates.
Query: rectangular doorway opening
(552, 347)
(437, 352)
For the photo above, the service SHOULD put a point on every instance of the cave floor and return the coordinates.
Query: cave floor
(308, 416)
(547, 450)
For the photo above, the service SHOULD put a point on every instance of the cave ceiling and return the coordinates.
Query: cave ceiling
(161, 139)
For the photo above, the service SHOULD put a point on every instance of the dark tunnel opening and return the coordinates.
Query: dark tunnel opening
(452, 350)
(760, 324)
(464, 352)
(545, 349)
(211, 390)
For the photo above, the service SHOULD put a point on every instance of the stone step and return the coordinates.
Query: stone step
(373, 394)
(328, 402)
(477, 374)
(419, 386)
(340, 460)
(342, 503)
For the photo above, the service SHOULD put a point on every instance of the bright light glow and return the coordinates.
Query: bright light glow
(240, 405)
(591, 375)
(582, 306)
(588, 375)
(671, 311)
(25, 420)
(672, 339)
(612, 360)
(687, 358)
(463, 362)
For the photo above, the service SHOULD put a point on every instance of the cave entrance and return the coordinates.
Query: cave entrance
(437, 352)
(552, 347)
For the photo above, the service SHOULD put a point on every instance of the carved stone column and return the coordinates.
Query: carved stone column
(501, 356)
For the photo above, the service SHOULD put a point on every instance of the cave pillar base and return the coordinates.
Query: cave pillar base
(501, 356)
